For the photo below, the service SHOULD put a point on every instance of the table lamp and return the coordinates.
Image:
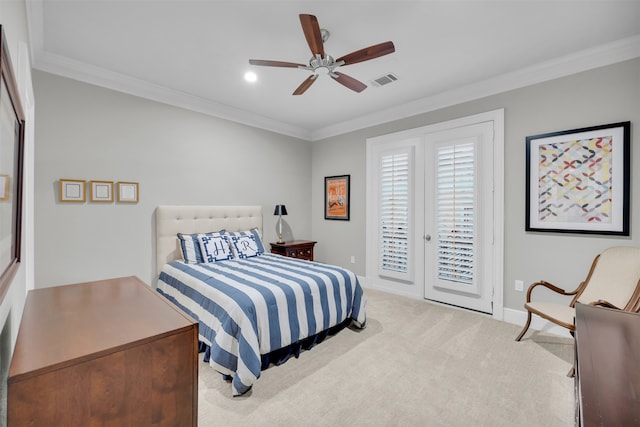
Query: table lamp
(280, 210)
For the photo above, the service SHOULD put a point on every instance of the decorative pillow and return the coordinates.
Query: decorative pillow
(245, 246)
(190, 246)
(215, 247)
(253, 232)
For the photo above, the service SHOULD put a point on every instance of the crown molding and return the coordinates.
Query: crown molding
(600, 56)
(83, 72)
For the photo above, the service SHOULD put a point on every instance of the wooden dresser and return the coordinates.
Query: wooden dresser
(608, 367)
(104, 353)
(301, 249)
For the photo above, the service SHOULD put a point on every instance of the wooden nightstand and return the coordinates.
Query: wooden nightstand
(301, 249)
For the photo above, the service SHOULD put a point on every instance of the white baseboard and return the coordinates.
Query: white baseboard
(509, 315)
(519, 317)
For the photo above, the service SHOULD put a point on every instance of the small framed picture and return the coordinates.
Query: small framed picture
(4, 187)
(336, 197)
(101, 191)
(72, 190)
(127, 192)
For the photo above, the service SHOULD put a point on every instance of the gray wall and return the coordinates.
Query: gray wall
(100, 134)
(605, 95)
(177, 156)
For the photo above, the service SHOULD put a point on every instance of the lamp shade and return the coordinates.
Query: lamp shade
(280, 210)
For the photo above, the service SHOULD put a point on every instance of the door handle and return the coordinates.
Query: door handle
(427, 237)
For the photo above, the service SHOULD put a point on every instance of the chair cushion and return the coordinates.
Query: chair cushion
(559, 314)
(615, 277)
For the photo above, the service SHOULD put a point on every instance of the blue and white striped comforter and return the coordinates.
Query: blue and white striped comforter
(250, 307)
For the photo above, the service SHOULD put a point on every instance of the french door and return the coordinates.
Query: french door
(458, 216)
(435, 221)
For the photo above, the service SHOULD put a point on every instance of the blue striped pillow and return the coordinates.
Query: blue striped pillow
(190, 246)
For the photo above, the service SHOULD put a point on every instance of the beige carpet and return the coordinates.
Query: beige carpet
(416, 364)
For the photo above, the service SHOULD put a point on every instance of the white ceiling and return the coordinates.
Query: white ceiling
(194, 54)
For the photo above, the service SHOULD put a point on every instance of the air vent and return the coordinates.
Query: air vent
(386, 79)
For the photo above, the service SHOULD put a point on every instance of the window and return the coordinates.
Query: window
(455, 210)
(395, 213)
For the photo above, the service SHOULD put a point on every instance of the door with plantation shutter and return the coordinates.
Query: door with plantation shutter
(458, 216)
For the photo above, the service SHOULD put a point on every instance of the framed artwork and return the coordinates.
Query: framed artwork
(336, 197)
(12, 130)
(577, 181)
(127, 192)
(101, 191)
(72, 190)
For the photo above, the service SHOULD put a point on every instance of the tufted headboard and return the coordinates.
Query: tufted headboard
(171, 220)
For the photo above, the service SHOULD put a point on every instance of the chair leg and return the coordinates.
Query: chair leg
(526, 326)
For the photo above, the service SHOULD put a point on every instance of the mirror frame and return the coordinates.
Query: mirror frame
(15, 188)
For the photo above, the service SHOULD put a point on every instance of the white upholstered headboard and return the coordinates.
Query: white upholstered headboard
(171, 220)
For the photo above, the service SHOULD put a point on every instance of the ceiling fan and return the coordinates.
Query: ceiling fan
(321, 63)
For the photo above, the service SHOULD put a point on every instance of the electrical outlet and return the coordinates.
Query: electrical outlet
(519, 285)
(353, 259)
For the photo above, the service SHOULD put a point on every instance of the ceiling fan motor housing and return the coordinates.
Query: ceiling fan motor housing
(320, 65)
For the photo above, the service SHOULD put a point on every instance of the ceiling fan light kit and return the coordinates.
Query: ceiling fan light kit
(321, 63)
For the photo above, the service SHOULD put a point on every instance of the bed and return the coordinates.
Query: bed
(253, 309)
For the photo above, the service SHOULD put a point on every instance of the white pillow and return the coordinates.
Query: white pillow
(253, 232)
(215, 247)
(245, 246)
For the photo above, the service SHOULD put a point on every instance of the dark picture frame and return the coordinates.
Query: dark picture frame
(337, 193)
(12, 129)
(578, 181)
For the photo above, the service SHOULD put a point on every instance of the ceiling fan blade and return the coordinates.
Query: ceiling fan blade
(368, 53)
(305, 84)
(268, 63)
(312, 34)
(350, 82)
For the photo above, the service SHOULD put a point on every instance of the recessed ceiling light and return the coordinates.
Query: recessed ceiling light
(250, 76)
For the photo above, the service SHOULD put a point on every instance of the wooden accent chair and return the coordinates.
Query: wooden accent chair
(613, 281)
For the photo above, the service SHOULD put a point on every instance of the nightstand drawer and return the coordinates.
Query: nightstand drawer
(301, 249)
(300, 253)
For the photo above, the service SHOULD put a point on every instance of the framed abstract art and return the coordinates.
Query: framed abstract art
(577, 181)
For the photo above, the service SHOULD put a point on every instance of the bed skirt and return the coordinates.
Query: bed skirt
(281, 355)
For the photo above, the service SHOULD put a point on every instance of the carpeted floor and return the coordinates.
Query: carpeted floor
(416, 364)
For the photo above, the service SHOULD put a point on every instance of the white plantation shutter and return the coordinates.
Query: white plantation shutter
(395, 213)
(456, 208)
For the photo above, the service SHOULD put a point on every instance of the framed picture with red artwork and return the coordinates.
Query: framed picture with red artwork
(336, 197)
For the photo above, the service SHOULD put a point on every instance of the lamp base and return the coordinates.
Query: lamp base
(280, 241)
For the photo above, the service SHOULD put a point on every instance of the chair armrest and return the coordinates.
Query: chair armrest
(604, 303)
(548, 286)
